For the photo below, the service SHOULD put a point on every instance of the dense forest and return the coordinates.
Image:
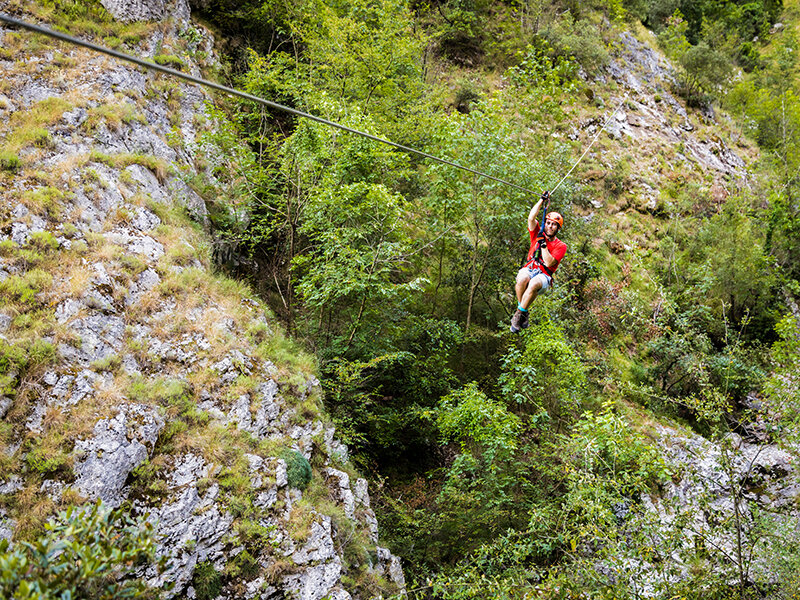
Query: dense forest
(529, 465)
(505, 460)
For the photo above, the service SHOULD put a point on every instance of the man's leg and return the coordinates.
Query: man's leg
(530, 293)
(520, 318)
(523, 279)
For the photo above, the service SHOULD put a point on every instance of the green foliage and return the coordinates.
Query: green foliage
(29, 127)
(207, 581)
(298, 469)
(769, 108)
(744, 19)
(473, 420)
(481, 491)
(112, 114)
(244, 565)
(88, 552)
(579, 39)
(704, 70)
(169, 60)
(398, 272)
(12, 359)
(25, 288)
(48, 198)
(612, 460)
(22, 359)
(365, 52)
(120, 161)
(782, 386)
(720, 261)
(9, 161)
(545, 377)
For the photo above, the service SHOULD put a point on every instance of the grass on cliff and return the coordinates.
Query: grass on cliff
(29, 127)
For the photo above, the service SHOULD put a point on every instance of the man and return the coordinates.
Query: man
(545, 253)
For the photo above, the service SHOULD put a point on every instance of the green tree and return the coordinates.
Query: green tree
(545, 378)
(484, 488)
(365, 53)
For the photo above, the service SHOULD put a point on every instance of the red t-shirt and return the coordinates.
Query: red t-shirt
(555, 247)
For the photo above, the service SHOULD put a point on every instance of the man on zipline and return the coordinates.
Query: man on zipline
(545, 253)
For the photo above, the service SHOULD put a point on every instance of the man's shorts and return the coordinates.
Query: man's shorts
(543, 277)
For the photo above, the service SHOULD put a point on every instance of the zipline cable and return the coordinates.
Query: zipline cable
(608, 120)
(234, 92)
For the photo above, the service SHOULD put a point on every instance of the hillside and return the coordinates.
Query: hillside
(231, 323)
(137, 375)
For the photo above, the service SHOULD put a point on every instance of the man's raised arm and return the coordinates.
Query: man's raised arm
(532, 216)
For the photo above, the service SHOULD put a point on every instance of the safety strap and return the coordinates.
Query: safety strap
(539, 265)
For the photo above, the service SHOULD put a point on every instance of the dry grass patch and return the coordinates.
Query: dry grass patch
(63, 334)
(79, 281)
(114, 114)
(292, 361)
(30, 510)
(45, 201)
(159, 167)
(66, 167)
(207, 378)
(28, 127)
(300, 520)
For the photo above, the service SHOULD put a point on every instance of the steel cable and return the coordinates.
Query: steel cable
(234, 92)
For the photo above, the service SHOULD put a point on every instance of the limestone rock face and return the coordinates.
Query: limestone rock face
(119, 445)
(160, 393)
(727, 496)
(147, 10)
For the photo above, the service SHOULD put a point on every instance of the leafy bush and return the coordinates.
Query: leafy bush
(17, 360)
(298, 469)
(49, 462)
(86, 552)
(469, 417)
(546, 374)
(579, 39)
(24, 288)
(207, 581)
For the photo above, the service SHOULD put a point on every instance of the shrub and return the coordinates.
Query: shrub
(579, 39)
(16, 360)
(169, 60)
(244, 565)
(9, 161)
(207, 581)
(298, 469)
(49, 462)
(25, 287)
(86, 552)
(546, 374)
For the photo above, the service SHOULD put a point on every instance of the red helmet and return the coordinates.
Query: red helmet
(554, 216)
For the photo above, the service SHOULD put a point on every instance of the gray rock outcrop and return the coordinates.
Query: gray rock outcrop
(147, 10)
(158, 395)
(729, 497)
(119, 445)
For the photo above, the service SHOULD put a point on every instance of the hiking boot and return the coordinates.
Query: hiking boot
(523, 322)
(516, 321)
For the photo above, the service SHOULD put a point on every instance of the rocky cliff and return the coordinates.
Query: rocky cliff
(131, 371)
